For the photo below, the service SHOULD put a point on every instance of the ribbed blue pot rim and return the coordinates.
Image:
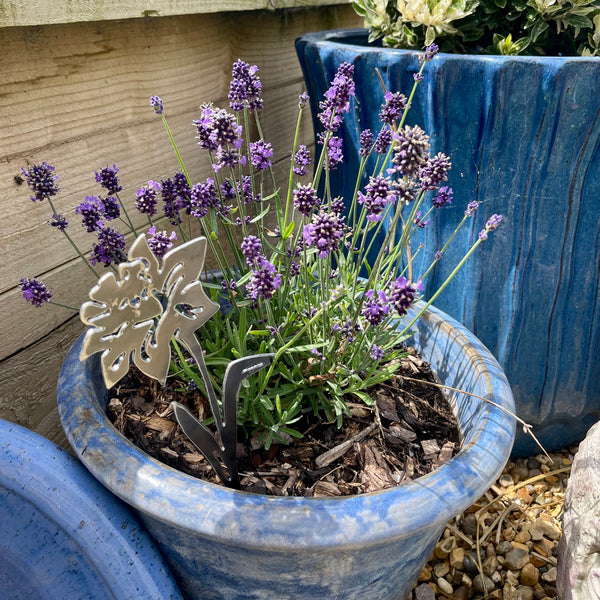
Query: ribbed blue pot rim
(186, 502)
(359, 37)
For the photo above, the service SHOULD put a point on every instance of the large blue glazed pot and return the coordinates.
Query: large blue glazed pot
(225, 544)
(63, 535)
(523, 134)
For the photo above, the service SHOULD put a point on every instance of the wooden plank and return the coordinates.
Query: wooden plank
(19, 13)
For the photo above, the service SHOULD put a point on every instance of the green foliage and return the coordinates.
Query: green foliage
(535, 27)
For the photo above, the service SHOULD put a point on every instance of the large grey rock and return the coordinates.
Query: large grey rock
(578, 576)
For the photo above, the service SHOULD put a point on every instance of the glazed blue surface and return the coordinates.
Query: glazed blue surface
(228, 545)
(63, 536)
(523, 134)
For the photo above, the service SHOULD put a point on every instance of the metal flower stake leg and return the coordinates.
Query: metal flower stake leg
(134, 317)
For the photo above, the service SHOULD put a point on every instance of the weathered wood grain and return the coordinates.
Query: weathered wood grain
(76, 95)
(40, 12)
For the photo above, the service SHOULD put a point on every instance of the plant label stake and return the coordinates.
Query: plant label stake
(133, 319)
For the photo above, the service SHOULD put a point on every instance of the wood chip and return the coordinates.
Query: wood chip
(338, 451)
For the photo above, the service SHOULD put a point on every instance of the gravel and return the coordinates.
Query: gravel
(504, 546)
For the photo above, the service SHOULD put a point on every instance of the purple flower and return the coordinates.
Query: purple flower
(418, 76)
(379, 195)
(112, 208)
(147, 198)
(264, 281)
(337, 205)
(160, 242)
(376, 352)
(252, 249)
(301, 160)
(203, 197)
(110, 247)
(491, 224)
(348, 331)
(247, 191)
(108, 179)
(227, 158)
(228, 190)
(471, 208)
(375, 308)
(306, 199)
(261, 153)
(324, 232)
(294, 269)
(403, 294)
(303, 100)
(168, 192)
(60, 222)
(431, 51)
(91, 211)
(334, 152)
(228, 285)
(217, 129)
(410, 150)
(41, 181)
(337, 98)
(35, 292)
(394, 107)
(438, 255)
(419, 220)
(366, 142)
(434, 171)
(383, 141)
(443, 197)
(405, 190)
(184, 192)
(157, 104)
(245, 87)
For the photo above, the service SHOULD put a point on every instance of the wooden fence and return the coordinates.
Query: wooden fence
(74, 91)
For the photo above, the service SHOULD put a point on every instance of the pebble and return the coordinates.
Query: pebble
(517, 544)
(424, 592)
(529, 575)
(482, 583)
(445, 586)
(516, 559)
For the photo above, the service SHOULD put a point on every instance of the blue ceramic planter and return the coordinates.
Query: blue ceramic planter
(225, 544)
(63, 536)
(523, 134)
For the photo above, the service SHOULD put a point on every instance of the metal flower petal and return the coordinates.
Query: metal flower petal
(133, 317)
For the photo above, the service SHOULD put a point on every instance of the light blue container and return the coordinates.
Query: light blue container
(523, 134)
(63, 536)
(224, 544)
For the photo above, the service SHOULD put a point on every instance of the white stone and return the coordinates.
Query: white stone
(578, 572)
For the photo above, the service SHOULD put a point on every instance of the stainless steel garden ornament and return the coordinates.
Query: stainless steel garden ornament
(133, 316)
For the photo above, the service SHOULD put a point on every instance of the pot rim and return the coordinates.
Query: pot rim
(340, 37)
(187, 502)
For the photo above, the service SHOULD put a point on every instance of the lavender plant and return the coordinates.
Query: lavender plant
(293, 282)
(545, 27)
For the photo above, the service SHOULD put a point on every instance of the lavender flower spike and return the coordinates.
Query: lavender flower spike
(147, 200)
(252, 249)
(157, 105)
(108, 179)
(160, 242)
(264, 282)
(492, 223)
(41, 180)
(324, 232)
(35, 291)
(91, 211)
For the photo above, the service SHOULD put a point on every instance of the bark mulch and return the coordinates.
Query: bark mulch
(409, 431)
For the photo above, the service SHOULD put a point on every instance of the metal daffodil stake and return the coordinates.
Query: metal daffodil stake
(135, 314)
